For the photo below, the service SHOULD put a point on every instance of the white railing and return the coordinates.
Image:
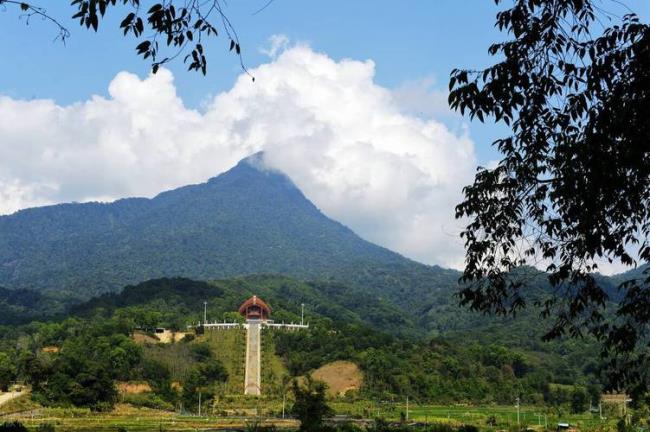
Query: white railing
(291, 326)
(234, 325)
(222, 326)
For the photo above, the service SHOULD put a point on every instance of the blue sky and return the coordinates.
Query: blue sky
(353, 110)
(422, 39)
(408, 41)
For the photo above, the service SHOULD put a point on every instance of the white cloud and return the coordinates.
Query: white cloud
(391, 176)
(277, 44)
(425, 98)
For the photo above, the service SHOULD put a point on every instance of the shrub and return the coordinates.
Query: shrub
(440, 427)
(12, 427)
(310, 406)
(201, 351)
(257, 427)
(148, 400)
(348, 427)
(188, 338)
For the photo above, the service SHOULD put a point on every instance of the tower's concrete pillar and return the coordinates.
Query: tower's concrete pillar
(253, 380)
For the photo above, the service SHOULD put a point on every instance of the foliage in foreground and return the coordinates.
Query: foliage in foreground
(310, 407)
(14, 426)
(179, 26)
(573, 187)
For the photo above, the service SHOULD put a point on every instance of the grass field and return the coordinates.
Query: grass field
(133, 419)
(239, 412)
(505, 416)
(143, 419)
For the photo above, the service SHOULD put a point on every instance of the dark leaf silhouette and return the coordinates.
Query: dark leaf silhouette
(180, 25)
(573, 187)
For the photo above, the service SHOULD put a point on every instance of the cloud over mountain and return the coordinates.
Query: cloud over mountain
(392, 177)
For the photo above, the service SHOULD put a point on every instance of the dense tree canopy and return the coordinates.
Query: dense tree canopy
(573, 187)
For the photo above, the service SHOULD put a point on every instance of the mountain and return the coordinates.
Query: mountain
(247, 220)
(639, 273)
(21, 306)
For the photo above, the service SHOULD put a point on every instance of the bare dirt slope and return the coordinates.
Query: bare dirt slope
(340, 377)
(133, 387)
(142, 338)
(6, 397)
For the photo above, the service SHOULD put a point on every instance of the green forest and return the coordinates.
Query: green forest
(94, 349)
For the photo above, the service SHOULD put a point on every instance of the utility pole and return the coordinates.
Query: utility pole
(199, 404)
(205, 312)
(518, 423)
(407, 408)
(600, 410)
(284, 401)
(302, 314)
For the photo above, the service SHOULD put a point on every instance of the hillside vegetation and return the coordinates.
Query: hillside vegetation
(249, 220)
(96, 350)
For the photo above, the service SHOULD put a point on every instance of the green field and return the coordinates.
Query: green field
(505, 416)
(242, 411)
(135, 419)
(142, 419)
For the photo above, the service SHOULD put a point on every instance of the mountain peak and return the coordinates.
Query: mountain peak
(253, 180)
(254, 163)
(251, 219)
(256, 160)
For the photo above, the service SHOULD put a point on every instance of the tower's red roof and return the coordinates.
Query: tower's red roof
(255, 300)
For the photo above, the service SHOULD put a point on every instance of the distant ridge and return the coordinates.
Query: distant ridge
(248, 220)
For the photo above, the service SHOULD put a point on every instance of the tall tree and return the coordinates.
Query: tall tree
(310, 406)
(7, 372)
(573, 186)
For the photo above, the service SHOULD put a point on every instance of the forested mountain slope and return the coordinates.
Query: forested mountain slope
(247, 220)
